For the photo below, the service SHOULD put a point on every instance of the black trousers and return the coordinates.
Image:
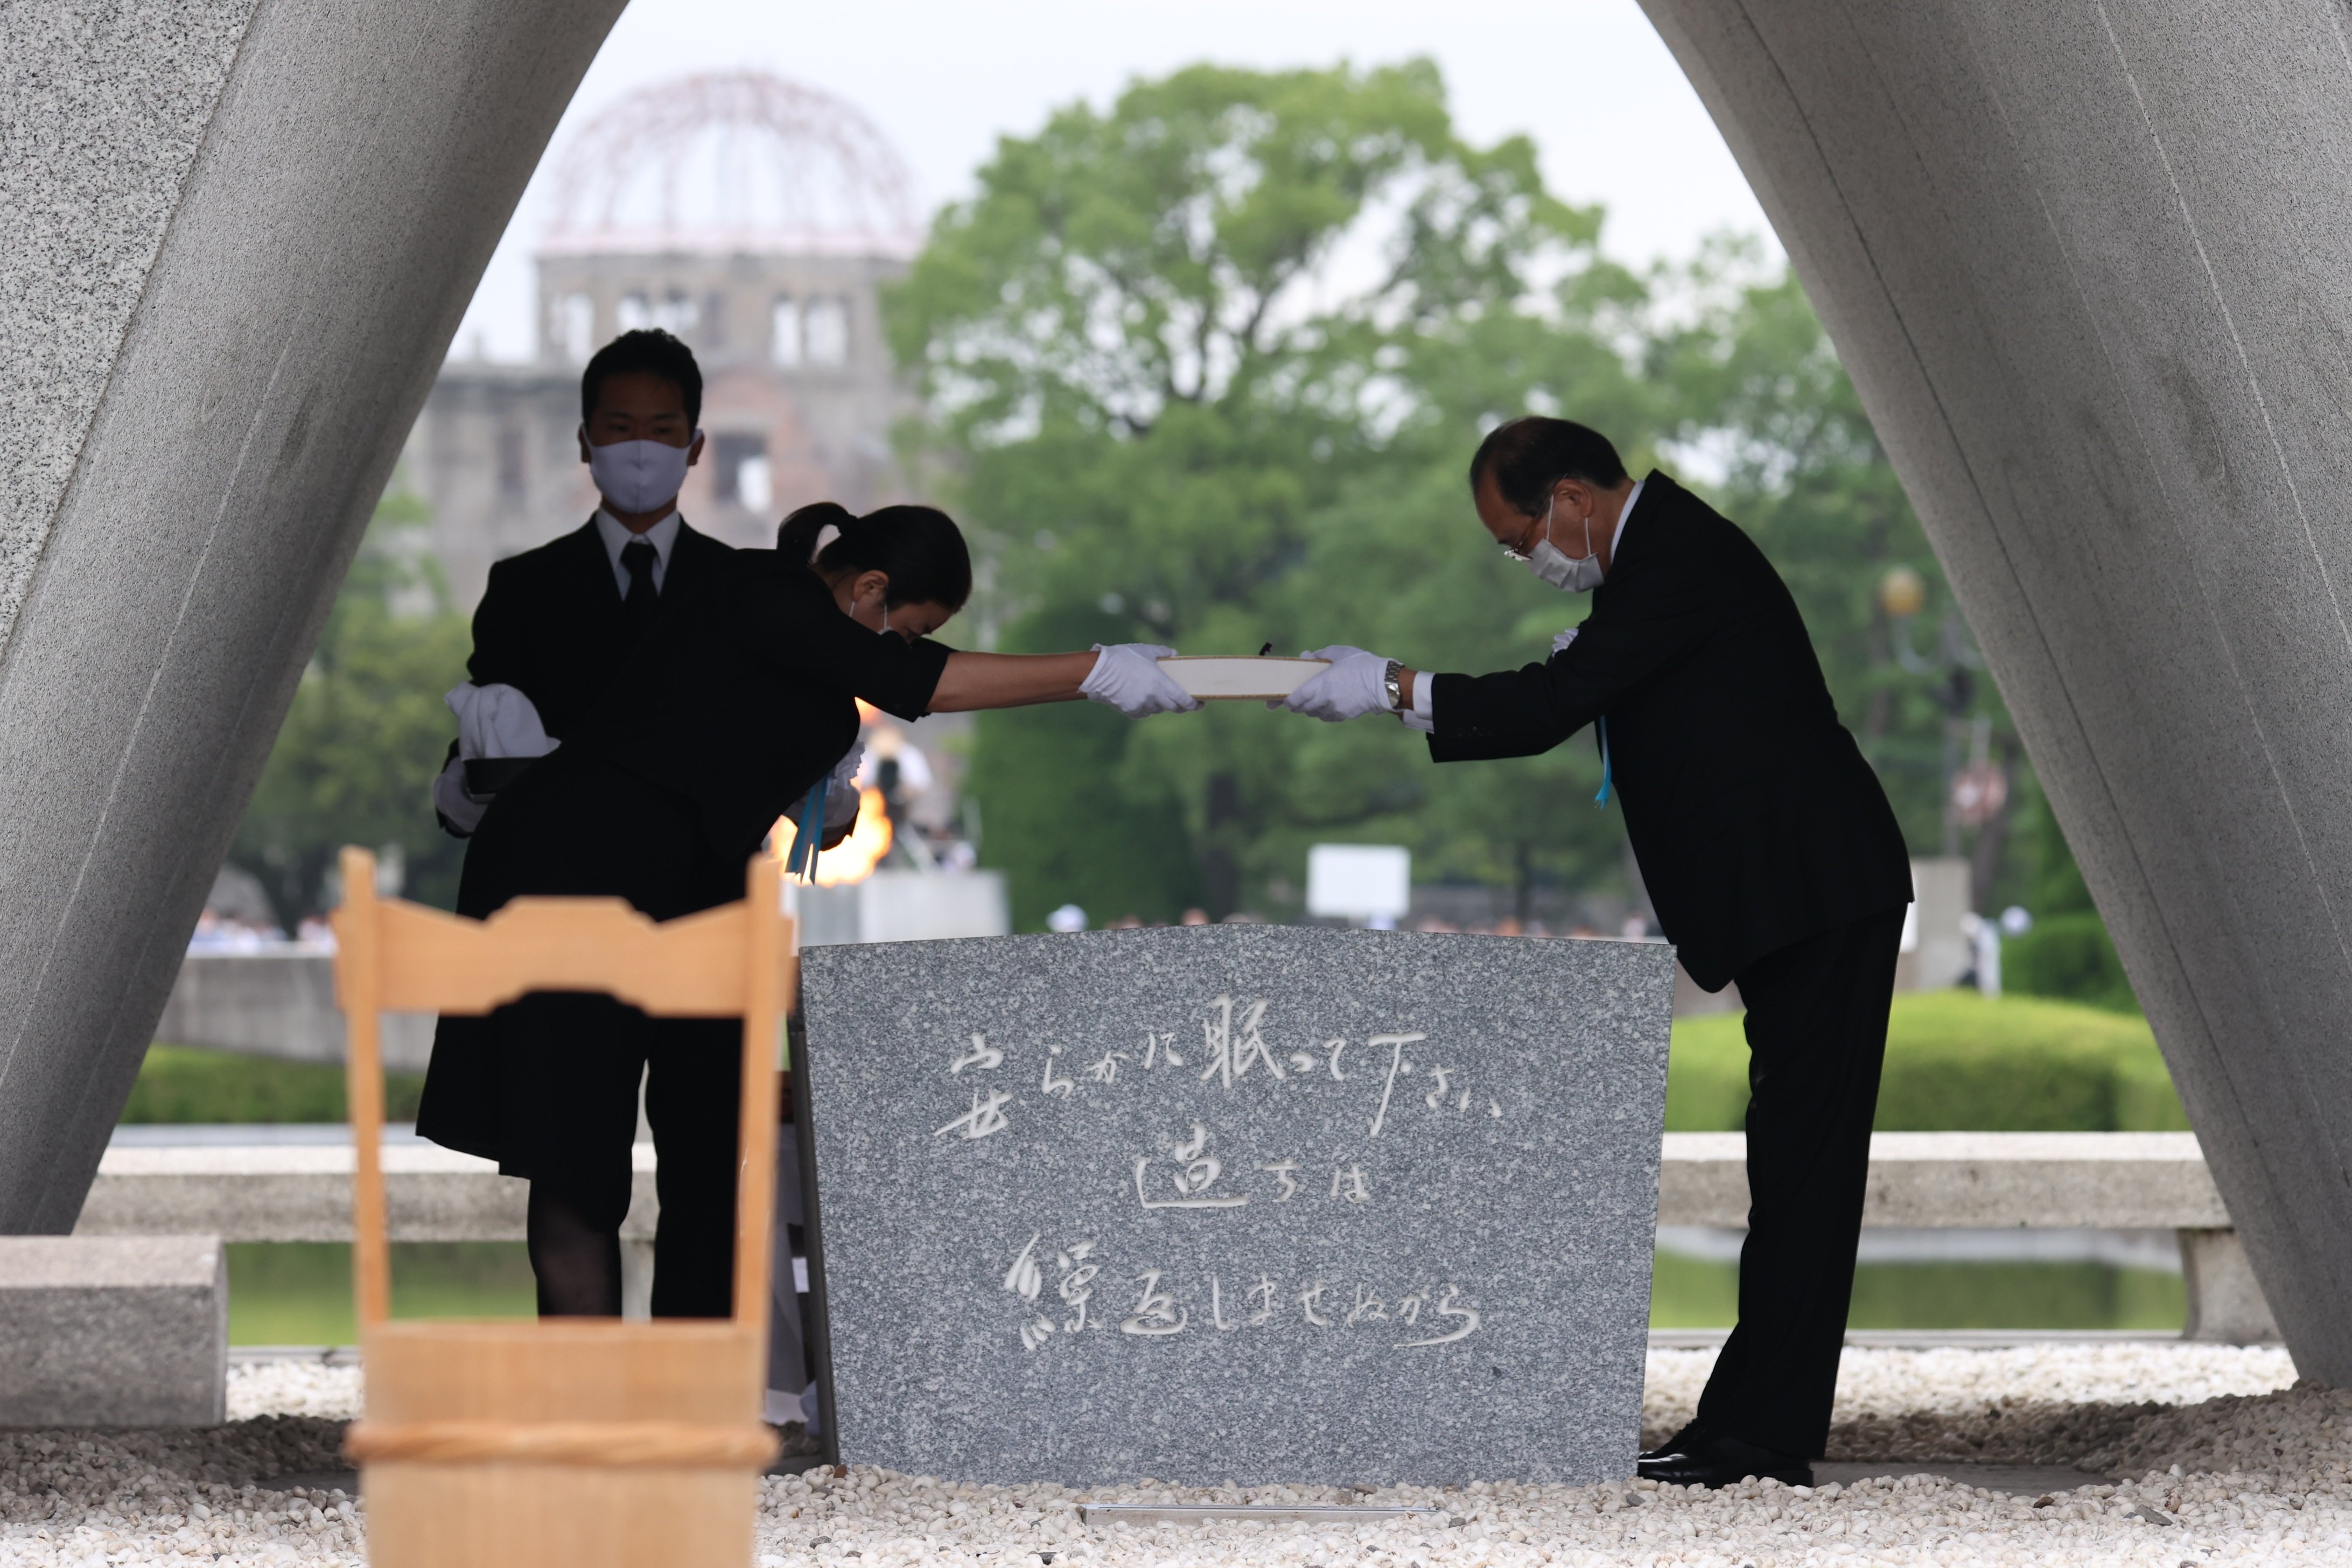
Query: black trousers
(548, 1086)
(1816, 1039)
(569, 1066)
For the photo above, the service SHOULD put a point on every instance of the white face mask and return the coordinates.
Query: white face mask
(1569, 573)
(639, 476)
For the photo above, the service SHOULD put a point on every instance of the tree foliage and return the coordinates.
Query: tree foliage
(1206, 368)
(1203, 368)
(355, 759)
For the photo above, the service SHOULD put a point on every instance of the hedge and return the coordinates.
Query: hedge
(1955, 1062)
(2068, 955)
(1958, 1062)
(181, 1083)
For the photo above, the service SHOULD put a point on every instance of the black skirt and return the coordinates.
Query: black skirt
(572, 826)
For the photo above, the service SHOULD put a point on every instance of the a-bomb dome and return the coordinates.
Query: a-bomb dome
(732, 161)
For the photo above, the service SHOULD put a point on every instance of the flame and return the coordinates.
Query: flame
(853, 858)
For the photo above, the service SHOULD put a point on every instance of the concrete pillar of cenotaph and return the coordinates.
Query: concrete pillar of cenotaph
(2088, 266)
(240, 237)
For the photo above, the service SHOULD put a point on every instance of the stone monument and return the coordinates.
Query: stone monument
(1253, 1204)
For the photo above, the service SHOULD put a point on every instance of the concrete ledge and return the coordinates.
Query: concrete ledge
(277, 1005)
(2039, 1180)
(299, 1192)
(1895, 1339)
(113, 1331)
(2042, 1181)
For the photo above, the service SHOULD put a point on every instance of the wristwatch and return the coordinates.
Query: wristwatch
(1395, 690)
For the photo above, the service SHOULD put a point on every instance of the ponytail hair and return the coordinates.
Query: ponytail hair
(920, 548)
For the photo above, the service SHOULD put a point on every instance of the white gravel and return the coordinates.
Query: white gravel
(293, 1388)
(2227, 1462)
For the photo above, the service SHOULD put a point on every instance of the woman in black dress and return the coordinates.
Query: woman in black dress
(719, 724)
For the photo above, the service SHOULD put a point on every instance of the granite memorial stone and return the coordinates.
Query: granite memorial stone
(1244, 1203)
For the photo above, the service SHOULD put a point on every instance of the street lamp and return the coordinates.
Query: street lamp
(1975, 794)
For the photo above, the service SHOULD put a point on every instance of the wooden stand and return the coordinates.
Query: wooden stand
(578, 1442)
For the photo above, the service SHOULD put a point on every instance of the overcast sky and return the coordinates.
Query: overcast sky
(1613, 118)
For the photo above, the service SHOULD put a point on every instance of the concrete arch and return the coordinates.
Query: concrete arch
(2085, 261)
(241, 235)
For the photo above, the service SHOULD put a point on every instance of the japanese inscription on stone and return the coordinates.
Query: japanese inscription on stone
(1242, 1202)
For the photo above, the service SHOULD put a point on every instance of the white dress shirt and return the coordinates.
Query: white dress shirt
(1421, 716)
(662, 536)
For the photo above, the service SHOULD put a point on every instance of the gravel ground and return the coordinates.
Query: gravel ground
(2226, 1460)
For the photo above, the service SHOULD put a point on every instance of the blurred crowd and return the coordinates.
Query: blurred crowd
(218, 933)
(1635, 927)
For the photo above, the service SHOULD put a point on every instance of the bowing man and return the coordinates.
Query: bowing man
(718, 724)
(1766, 843)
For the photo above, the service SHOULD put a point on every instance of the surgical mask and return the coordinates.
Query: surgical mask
(1569, 574)
(638, 476)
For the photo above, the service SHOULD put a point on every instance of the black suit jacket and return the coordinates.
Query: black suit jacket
(1755, 818)
(551, 623)
(743, 705)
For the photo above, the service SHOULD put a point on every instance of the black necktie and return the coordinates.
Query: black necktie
(639, 602)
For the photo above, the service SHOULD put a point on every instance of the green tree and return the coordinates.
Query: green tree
(1764, 393)
(1759, 381)
(1206, 368)
(1201, 370)
(355, 759)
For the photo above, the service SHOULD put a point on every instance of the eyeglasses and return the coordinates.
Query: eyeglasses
(1523, 551)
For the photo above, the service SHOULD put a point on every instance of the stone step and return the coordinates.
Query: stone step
(113, 1330)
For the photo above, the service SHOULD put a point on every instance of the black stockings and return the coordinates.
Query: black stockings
(578, 1263)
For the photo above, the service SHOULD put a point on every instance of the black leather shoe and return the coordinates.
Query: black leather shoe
(1709, 1459)
(1679, 1443)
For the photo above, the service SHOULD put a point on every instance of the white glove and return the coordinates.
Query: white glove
(1560, 640)
(493, 721)
(450, 799)
(1355, 684)
(496, 720)
(1127, 677)
(841, 796)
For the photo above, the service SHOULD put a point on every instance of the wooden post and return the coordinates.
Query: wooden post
(766, 932)
(359, 986)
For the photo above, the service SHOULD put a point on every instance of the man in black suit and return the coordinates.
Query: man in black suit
(558, 624)
(1766, 843)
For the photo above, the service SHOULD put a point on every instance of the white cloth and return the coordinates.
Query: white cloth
(841, 798)
(493, 721)
(662, 536)
(496, 720)
(1356, 684)
(1127, 677)
(1423, 715)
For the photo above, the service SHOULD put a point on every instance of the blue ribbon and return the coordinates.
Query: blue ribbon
(808, 834)
(1602, 799)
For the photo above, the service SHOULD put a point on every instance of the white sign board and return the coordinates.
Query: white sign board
(1359, 881)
